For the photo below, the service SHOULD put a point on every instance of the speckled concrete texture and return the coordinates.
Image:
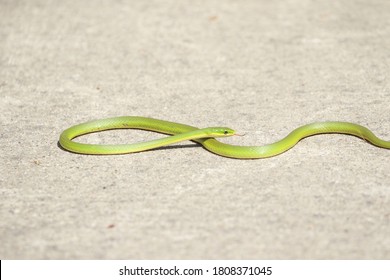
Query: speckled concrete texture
(260, 67)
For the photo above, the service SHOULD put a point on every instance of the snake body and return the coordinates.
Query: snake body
(205, 137)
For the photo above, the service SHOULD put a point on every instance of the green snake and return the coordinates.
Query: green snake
(205, 137)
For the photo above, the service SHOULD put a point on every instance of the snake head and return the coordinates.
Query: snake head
(219, 132)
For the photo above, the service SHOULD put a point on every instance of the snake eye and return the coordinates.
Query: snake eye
(225, 132)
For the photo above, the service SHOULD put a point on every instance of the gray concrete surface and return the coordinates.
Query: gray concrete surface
(261, 67)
